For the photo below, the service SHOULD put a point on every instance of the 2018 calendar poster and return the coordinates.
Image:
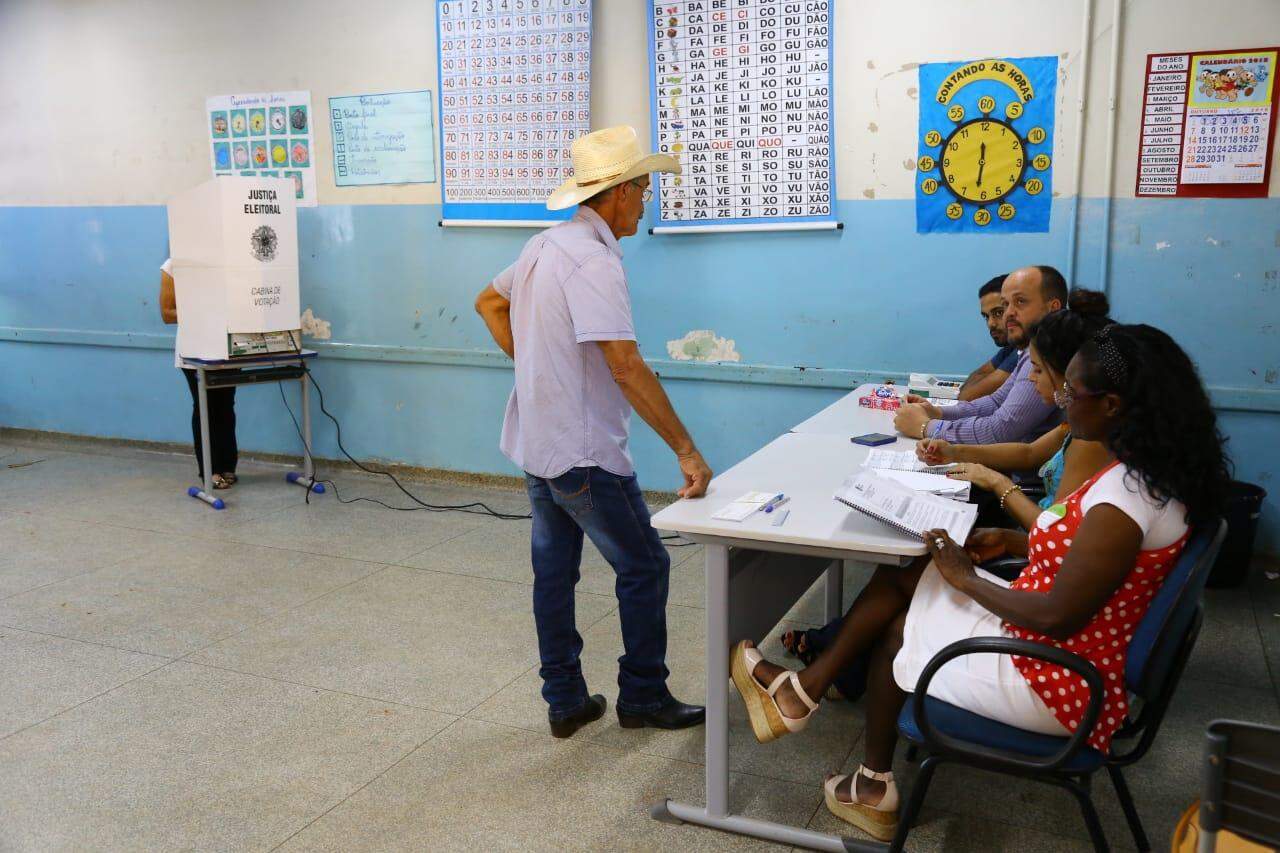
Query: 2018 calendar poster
(515, 90)
(1208, 123)
(742, 97)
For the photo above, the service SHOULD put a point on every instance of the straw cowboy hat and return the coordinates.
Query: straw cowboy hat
(606, 158)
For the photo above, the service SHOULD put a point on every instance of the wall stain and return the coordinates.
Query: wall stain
(315, 327)
(909, 164)
(873, 127)
(870, 64)
(869, 192)
(913, 92)
(703, 345)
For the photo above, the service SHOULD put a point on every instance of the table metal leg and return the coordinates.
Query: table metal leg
(835, 590)
(308, 477)
(716, 813)
(717, 604)
(206, 493)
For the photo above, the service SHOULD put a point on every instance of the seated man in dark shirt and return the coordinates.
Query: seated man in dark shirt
(990, 375)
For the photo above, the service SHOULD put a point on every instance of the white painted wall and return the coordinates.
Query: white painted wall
(103, 102)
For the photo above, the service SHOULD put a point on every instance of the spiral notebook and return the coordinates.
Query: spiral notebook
(906, 510)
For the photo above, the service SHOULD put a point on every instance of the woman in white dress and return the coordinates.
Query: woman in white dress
(1095, 562)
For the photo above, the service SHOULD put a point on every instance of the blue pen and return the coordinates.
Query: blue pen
(776, 501)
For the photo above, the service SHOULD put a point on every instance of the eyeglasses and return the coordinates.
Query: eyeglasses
(646, 192)
(1067, 395)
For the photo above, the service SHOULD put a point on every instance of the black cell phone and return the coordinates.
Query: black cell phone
(873, 439)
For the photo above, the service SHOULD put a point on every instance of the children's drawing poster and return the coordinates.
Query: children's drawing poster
(984, 148)
(264, 133)
(1208, 124)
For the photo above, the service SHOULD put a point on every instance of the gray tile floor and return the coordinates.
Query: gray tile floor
(343, 677)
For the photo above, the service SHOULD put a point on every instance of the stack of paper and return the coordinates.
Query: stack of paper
(906, 468)
(906, 510)
(934, 484)
(744, 506)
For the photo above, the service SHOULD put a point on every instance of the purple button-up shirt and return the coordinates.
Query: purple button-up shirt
(567, 291)
(1013, 412)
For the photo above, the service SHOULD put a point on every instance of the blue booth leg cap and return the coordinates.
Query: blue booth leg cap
(218, 504)
(318, 488)
(292, 477)
(192, 492)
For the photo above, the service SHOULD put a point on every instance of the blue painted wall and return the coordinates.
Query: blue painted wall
(82, 348)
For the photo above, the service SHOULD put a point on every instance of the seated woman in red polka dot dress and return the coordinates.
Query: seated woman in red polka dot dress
(1095, 561)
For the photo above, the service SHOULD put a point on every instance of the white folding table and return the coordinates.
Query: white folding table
(845, 417)
(755, 573)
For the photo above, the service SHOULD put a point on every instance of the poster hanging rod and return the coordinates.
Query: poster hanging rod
(767, 226)
(498, 223)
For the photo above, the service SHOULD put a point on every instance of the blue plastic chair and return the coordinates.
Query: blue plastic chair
(1158, 654)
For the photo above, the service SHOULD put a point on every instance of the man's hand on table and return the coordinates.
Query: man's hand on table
(912, 417)
(930, 409)
(696, 474)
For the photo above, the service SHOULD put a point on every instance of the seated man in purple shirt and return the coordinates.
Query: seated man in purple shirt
(562, 311)
(1014, 411)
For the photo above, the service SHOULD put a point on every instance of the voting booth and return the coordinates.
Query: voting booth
(234, 245)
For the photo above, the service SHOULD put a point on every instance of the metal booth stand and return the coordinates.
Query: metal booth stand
(225, 373)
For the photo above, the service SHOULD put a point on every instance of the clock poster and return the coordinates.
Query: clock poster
(985, 146)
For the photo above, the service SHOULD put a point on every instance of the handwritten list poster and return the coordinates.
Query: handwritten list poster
(383, 139)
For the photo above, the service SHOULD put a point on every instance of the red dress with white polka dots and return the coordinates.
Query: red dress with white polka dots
(1104, 642)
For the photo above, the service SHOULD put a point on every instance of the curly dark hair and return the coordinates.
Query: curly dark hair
(1167, 431)
(1059, 334)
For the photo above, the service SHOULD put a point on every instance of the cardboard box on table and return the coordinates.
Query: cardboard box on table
(234, 245)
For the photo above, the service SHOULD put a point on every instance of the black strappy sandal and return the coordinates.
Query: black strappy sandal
(797, 645)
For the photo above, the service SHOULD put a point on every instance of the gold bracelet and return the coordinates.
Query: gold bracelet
(924, 426)
(1007, 492)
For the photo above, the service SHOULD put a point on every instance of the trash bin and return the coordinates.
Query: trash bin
(1244, 505)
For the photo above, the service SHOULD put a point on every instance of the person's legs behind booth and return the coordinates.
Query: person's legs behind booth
(223, 451)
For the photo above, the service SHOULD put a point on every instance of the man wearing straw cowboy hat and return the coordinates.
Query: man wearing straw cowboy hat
(562, 311)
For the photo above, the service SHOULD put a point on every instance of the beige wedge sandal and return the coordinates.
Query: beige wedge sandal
(879, 821)
(767, 720)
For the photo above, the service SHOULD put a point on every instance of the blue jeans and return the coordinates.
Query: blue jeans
(610, 510)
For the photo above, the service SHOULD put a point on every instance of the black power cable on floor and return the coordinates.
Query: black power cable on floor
(474, 508)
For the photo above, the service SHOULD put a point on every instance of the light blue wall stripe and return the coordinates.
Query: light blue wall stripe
(1224, 399)
(411, 370)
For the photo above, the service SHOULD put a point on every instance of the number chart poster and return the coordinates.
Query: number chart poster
(515, 91)
(985, 146)
(1208, 124)
(265, 133)
(742, 97)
